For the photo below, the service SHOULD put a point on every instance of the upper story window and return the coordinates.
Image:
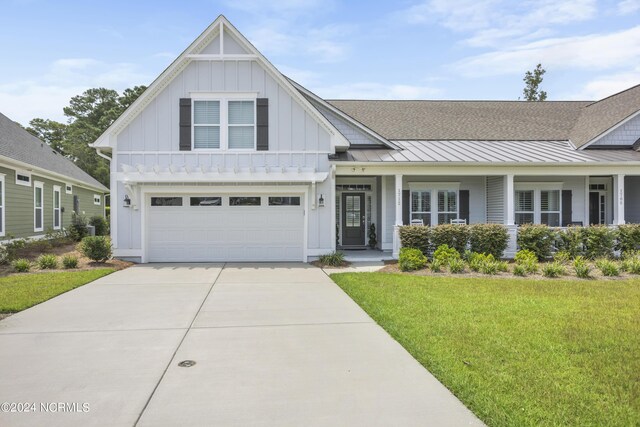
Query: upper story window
(224, 124)
(23, 178)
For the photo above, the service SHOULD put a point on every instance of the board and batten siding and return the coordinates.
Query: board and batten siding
(19, 204)
(626, 134)
(291, 128)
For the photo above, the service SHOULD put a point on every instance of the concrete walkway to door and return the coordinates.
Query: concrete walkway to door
(273, 345)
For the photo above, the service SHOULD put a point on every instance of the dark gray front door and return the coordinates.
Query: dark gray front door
(353, 219)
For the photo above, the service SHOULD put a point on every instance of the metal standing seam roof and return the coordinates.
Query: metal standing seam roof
(18, 144)
(486, 152)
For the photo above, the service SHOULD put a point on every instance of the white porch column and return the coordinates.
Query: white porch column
(510, 216)
(398, 221)
(398, 200)
(509, 200)
(587, 220)
(618, 199)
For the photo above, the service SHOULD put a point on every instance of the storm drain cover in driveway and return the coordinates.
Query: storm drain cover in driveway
(187, 363)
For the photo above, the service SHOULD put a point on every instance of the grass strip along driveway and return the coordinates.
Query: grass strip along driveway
(518, 352)
(20, 292)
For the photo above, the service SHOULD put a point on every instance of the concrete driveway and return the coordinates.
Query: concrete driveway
(274, 345)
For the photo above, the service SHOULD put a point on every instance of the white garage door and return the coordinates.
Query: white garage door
(204, 228)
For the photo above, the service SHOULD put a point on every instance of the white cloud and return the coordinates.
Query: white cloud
(606, 85)
(593, 52)
(370, 90)
(627, 7)
(46, 95)
(500, 22)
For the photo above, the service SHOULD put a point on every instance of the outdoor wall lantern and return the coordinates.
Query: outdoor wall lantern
(127, 201)
(321, 201)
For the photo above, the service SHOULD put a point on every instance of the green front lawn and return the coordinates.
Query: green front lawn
(20, 292)
(518, 352)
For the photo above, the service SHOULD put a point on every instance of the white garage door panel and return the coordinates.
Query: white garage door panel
(224, 233)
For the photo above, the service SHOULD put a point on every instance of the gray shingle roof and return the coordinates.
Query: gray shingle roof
(18, 144)
(602, 115)
(466, 120)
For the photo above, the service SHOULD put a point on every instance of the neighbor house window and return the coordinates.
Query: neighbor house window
(538, 204)
(68, 189)
(2, 232)
(56, 207)
(226, 123)
(96, 199)
(38, 193)
(434, 203)
(23, 178)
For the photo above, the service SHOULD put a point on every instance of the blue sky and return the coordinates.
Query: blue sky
(405, 49)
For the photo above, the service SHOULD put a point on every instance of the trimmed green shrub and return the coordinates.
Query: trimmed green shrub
(411, 259)
(628, 237)
(553, 269)
(488, 239)
(47, 262)
(416, 236)
(599, 241)
(571, 240)
(100, 224)
(78, 228)
(582, 267)
(96, 248)
(537, 238)
(444, 254)
(608, 267)
(528, 260)
(333, 259)
(456, 265)
(454, 236)
(21, 265)
(563, 257)
(69, 261)
(519, 270)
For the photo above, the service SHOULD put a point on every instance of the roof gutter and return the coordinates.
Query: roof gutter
(101, 154)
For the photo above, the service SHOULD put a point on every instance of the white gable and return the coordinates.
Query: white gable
(626, 133)
(239, 68)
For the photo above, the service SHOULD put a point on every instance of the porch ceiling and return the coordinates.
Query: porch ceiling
(487, 152)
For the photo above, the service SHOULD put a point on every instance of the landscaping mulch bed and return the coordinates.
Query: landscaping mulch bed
(392, 267)
(33, 252)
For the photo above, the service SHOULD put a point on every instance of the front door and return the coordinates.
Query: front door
(353, 219)
(596, 207)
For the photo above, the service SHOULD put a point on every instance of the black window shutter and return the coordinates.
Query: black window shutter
(464, 204)
(262, 123)
(566, 207)
(185, 124)
(406, 208)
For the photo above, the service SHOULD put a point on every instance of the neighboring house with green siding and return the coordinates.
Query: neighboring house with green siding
(40, 189)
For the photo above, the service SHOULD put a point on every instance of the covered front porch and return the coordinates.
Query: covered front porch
(371, 202)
